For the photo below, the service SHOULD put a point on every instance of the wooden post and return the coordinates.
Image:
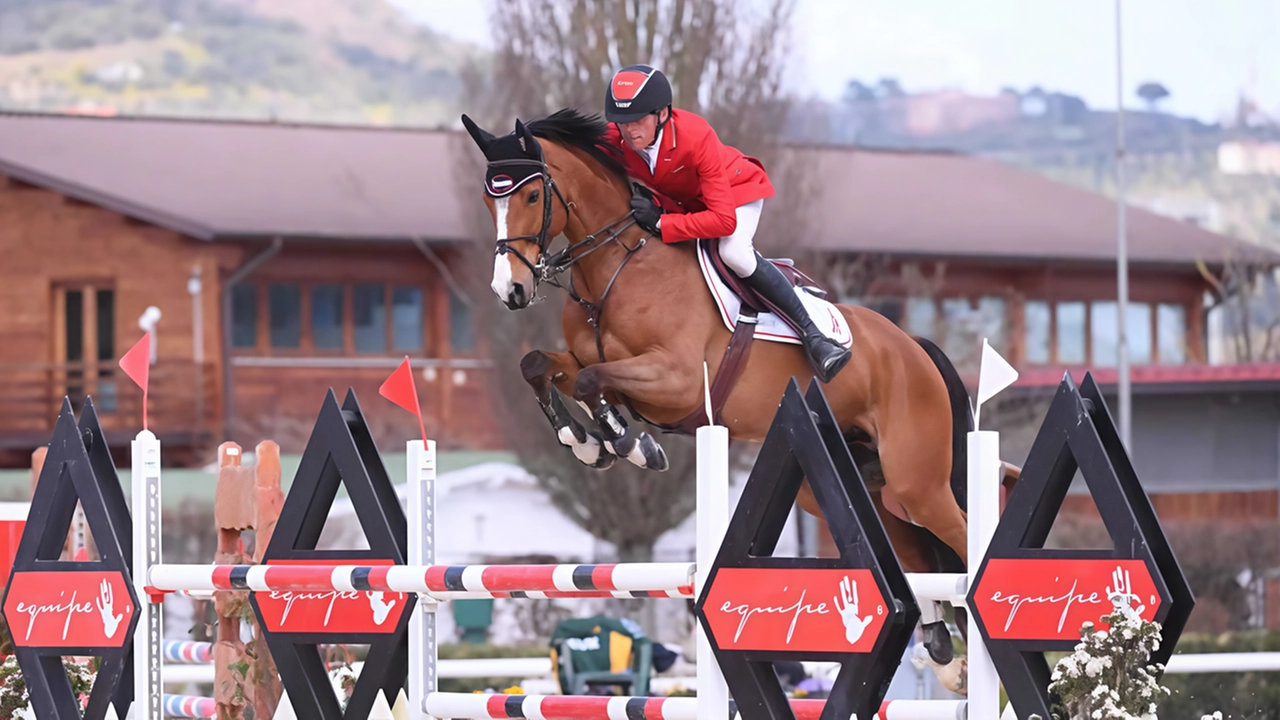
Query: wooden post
(232, 513)
(247, 498)
(268, 500)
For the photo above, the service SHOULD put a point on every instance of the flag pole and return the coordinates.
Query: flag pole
(1122, 252)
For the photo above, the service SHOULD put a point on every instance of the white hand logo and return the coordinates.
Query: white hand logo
(1122, 597)
(380, 609)
(853, 625)
(110, 623)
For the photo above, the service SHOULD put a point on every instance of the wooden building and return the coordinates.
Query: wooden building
(284, 260)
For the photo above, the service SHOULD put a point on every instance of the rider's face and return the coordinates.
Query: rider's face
(640, 134)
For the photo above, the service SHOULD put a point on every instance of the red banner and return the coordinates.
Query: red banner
(802, 610)
(330, 611)
(90, 609)
(1050, 599)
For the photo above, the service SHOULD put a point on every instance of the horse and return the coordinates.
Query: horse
(639, 324)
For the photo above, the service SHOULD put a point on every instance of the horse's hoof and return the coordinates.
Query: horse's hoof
(937, 640)
(655, 458)
(592, 453)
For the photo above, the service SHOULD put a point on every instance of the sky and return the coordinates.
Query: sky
(1206, 52)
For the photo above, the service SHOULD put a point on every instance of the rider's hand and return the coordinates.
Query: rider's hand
(647, 214)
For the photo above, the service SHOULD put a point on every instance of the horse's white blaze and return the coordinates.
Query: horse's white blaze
(502, 284)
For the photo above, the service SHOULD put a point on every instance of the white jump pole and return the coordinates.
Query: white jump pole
(148, 699)
(712, 517)
(421, 501)
(984, 476)
(984, 513)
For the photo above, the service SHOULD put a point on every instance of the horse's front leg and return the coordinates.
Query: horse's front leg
(544, 372)
(649, 379)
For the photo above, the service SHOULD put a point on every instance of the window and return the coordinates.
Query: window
(406, 319)
(990, 324)
(1171, 333)
(285, 307)
(369, 307)
(955, 335)
(462, 336)
(1103, 333)
(1070, 333)
(1138, 330)
(1036, 319)
(106, 325)
(922, 315)
(244, 316)
(326, 317)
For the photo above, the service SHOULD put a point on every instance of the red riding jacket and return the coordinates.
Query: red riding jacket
(701, 180)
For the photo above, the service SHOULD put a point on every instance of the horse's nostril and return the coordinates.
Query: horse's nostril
(517, 294)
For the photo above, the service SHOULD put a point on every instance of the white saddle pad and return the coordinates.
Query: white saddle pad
(769, 326)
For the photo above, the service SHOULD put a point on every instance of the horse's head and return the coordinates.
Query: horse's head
(518, 189)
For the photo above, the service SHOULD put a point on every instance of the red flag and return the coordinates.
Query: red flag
(399, 389)
(137, 365)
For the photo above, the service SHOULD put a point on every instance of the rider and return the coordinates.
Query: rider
(711, 190)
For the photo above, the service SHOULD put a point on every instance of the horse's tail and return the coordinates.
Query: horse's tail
(961, 424)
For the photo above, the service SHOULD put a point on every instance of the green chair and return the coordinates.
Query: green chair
(601, 651)
(473, 618)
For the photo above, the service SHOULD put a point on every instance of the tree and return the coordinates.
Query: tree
(1152, 93)
(1246, 295)
(725, 63)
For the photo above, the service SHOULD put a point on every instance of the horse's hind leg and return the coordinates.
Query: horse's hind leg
(542, 371)
(917, 469)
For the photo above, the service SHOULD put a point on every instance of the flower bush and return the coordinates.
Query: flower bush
(14, 702)
(1108, 677)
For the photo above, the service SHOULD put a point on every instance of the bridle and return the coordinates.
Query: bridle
(549, 267)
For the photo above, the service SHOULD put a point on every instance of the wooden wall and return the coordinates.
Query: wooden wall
(49, 242)
(278, 392)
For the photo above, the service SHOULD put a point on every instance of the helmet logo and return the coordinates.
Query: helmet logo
(628, 84)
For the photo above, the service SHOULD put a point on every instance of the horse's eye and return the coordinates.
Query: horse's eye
(533, 197)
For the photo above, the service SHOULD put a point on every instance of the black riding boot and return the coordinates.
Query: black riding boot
(825, 355)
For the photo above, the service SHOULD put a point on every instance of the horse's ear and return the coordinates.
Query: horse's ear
(482, 137)
(528, 142)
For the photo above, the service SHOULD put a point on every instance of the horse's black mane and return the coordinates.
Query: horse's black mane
(585, 132)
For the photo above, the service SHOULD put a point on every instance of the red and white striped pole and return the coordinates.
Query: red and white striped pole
(585, 707)
(443, 581)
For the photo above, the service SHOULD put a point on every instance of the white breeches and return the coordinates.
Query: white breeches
(737, 250)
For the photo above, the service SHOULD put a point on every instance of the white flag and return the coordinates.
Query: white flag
(994, 375)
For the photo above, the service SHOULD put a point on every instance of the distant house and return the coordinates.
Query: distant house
(324, 255)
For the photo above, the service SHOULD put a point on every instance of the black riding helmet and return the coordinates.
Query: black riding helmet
(636, 91)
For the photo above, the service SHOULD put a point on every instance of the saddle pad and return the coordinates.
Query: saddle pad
(770, 327)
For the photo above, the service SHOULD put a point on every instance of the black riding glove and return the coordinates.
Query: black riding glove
(646, 213)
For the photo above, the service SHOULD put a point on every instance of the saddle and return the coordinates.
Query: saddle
(744, 327)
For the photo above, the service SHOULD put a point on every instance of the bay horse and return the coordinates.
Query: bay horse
(639, 324)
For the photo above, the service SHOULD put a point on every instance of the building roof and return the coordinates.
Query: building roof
(221, 180)
(941, 204)
(229, 179)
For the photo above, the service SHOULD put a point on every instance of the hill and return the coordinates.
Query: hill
(355, 61)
